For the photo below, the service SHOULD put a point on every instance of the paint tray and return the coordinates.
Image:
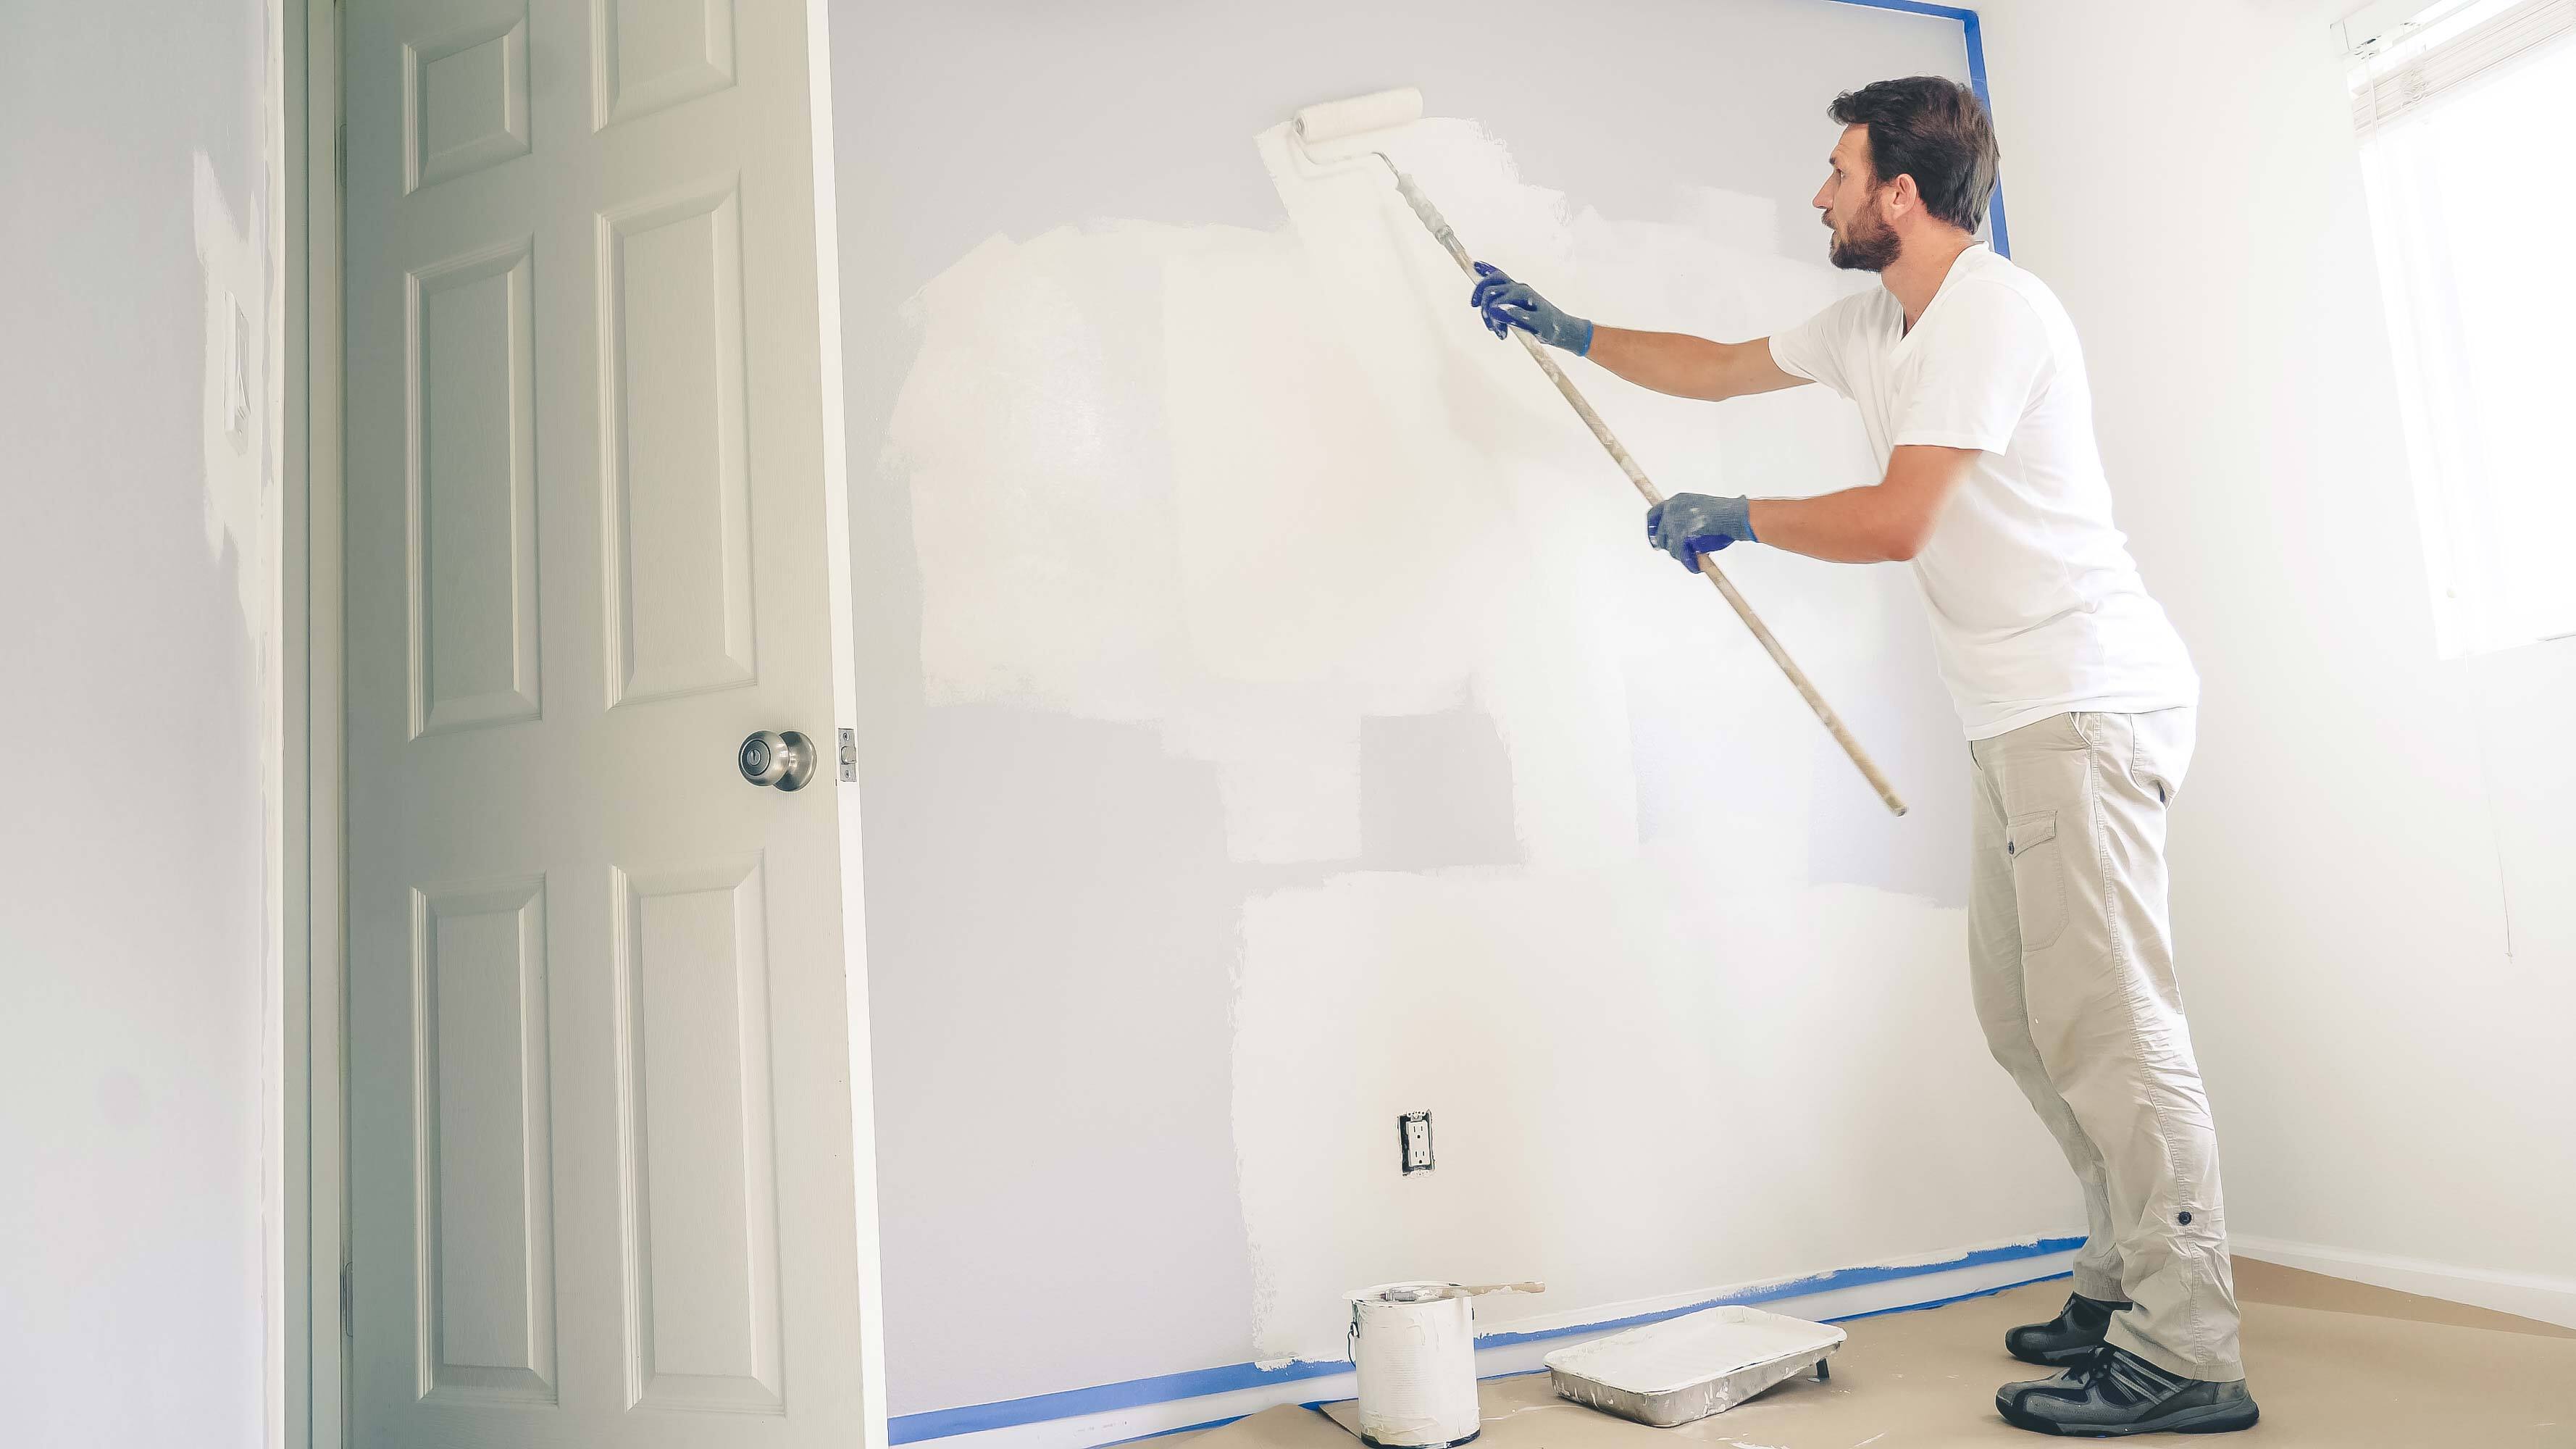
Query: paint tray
(1693, 1366)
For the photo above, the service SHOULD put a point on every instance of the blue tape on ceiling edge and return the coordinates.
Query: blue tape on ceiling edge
(1197, 1383)
(1977, 81)
(1916, 7)
(1974, 35)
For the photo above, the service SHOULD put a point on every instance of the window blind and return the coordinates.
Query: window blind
(2451, 51)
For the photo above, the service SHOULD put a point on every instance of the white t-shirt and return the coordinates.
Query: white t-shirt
(2036, 607)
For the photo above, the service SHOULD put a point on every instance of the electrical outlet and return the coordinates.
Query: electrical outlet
(1413, 1135)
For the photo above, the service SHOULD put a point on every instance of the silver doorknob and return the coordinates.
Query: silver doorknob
(784, 760)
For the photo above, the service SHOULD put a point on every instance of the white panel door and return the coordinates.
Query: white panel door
(601, 1121)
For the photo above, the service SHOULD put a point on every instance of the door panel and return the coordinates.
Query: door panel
(601, 1122)
(658, 53)
(702, 1251)
(483, 1201)
(471, 486)
(679, 505)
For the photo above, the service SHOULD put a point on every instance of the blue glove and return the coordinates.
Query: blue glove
(1689, 524)
(1505, 304)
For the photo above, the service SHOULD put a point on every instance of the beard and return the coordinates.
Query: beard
(1867, 245)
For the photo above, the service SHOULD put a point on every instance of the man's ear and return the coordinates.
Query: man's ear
(1902, 197)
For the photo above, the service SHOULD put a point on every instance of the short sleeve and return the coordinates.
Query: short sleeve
(1815, 348)
(1974, 371)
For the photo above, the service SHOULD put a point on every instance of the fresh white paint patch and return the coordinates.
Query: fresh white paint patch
(1254, 488)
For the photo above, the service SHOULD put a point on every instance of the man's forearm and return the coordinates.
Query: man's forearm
(1668, 362)
(1687, 366)
(1889, 521)
(1857, 525)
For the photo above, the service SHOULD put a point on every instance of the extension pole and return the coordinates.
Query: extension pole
(1537, 350)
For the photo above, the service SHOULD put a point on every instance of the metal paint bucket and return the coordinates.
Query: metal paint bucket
(1416, 1355)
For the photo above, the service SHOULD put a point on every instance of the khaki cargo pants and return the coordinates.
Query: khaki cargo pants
(2071, 960)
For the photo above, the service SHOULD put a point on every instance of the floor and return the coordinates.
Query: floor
(2334, 1364)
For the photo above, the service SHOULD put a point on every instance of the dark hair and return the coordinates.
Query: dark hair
(1934, 130)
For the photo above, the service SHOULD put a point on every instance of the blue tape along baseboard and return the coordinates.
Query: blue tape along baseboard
(1197, 1383)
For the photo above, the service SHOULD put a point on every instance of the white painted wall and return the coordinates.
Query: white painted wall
(2374, 870)
(133, 613)
(1170, 915)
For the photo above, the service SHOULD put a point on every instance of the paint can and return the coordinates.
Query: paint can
(1416, 1350)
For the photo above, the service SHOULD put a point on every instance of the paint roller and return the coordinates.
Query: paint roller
(1334, 134)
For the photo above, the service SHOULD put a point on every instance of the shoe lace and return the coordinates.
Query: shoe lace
(2096, 1365)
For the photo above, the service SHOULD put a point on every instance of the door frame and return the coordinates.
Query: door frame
(306, 1306)
(307, 1325)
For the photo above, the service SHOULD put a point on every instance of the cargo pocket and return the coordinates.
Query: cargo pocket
(2039, 878)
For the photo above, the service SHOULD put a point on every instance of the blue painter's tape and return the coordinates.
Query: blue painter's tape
(1801, 1287)
(1161, 1388)
(1196, 1383)
(1977, 81)
(1953, 1298)
(1916, 7)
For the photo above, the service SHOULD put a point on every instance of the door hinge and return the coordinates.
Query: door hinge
(340, 154)
(348, 1300)
(849, 756)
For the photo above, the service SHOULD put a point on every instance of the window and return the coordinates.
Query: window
(2463, 113)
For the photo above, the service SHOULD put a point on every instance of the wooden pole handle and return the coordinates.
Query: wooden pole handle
(1833, 723)
(1532, 1286)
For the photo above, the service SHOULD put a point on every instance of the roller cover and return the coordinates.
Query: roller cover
(1381, 111)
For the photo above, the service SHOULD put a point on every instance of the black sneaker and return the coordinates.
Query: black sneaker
(2069, 1337)
(2116, 1392)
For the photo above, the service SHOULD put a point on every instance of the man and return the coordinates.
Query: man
(2077, 697)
